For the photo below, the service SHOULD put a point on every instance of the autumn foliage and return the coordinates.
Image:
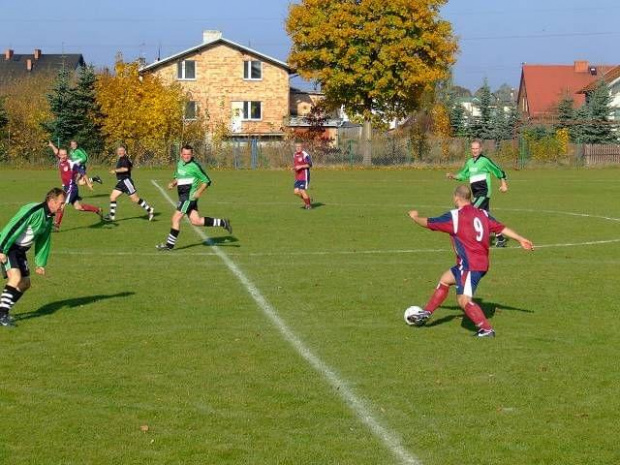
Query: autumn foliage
(142, 113)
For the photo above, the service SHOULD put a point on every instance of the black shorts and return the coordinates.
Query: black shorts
(127, 186)
(17, 259)
(187, 206)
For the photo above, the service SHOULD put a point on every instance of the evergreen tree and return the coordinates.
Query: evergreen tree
(87, 111)
(458, 121)
(4, 122)
(598, 128)
(63, 126)
(482, 125)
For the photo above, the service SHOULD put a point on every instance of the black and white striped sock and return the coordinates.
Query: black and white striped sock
(212, 222)
(144, 205)
(9, 296)
(112, 209)
(172, 238)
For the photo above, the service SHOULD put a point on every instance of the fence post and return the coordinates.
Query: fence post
(254, 156)
(350, 150)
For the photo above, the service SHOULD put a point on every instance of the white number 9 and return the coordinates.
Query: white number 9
(479, 229)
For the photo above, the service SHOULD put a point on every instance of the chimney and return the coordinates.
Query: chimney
(593, 71)
(29, 64)
(37, 53)
(581, 66)
(8, 54)
(211, 36)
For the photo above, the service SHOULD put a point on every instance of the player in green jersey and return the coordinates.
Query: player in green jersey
(191, 181)
(32, 224)
(478, 170)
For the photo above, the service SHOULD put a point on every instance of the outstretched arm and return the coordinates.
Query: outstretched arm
(415, 216)
(525, 243)
(53, 147)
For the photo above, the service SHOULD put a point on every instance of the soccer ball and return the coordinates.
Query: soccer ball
(412, 314)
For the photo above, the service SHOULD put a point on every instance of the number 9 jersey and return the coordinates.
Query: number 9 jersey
(469, 228)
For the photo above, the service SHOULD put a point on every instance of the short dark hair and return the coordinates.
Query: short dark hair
(187, 147)
(54, 194)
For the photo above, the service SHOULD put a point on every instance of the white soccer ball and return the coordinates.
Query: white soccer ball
(411, 313)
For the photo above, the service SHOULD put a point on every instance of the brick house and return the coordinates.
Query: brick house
(542, 87)
(612, 78)
(238, 87)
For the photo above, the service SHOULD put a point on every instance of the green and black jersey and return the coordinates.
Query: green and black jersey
(478, 171)
(189, 177)
(31, 225)
(78, 156)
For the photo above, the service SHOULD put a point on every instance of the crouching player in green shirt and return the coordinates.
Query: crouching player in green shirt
(477, 170)
(31, 225)
(191, 181)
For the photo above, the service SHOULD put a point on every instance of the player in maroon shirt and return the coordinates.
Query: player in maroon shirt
(469, 228)
(68, 176)
(301, 166)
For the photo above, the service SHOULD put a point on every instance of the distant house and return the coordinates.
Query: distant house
(612, 78)
(241, 88)
(542, 87)
(18, 66)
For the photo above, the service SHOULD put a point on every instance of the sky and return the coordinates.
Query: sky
(495, 36)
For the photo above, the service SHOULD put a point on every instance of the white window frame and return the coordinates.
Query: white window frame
(181, 73)
(247, 70)
(247, 110)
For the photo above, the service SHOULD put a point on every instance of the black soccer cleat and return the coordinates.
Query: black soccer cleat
(151, 213)
(419, 319)
(6, 321)
(485, 333)
(97, 179)
(109, 218)
(501, 243)
(227, 226)
(163, 247)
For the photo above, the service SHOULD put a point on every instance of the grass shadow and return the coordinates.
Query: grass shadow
(221, 241)
(53, 307)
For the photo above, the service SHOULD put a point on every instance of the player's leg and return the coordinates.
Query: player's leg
(175, 227)
(116, 193)
(209, 222)
(438, 297)
(466, 287)
(85, 207)
(133, 195)
(18, 282)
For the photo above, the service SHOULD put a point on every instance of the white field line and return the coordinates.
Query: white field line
(312, 253)
(355, 403)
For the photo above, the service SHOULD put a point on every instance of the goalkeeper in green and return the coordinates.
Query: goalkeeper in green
(478, 170)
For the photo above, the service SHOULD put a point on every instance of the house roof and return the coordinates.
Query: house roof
(609, 77)
(16, 64)
(546, 85)
(213, 43)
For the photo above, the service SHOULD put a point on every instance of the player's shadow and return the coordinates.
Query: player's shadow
(489, 309)
(314, 205)
(53, 307)
(220, 241)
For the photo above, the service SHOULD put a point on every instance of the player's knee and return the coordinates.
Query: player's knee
(24, 284)
(463, 300)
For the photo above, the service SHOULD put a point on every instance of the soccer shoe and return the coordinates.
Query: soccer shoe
(419, 319)
(100, 213)
(227, 226)
(308, 207)
(55, 228)
(109, 218)
(163, 247)
(6, 321)
(501, 243)
(151, 213)
(97, 179)
(485, 333)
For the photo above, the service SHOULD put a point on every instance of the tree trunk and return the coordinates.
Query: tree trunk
(367, 143)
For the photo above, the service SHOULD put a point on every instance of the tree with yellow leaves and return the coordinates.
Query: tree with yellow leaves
(141, 112)
(375, 57)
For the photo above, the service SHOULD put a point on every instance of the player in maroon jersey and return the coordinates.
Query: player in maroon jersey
(469, 228)
(68, 175)
(301, 166)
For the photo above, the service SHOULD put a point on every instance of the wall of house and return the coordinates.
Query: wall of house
(219, 82)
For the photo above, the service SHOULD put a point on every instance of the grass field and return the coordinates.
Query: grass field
(285, 343)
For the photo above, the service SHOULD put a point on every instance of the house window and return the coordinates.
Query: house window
(252, 111)
(252, 70)
(186, 69)
(191, 110)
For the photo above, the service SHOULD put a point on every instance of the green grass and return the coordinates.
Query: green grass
(118, 336)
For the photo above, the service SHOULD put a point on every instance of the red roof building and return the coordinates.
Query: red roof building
(542, 87)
